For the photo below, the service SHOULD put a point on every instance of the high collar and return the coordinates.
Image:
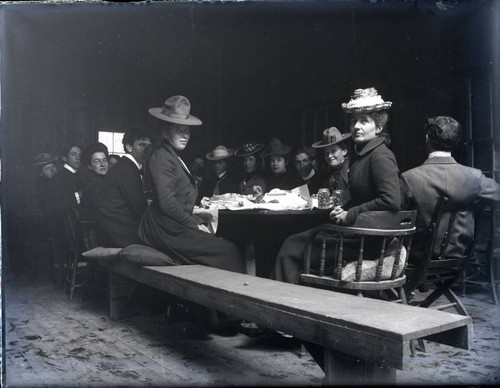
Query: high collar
(441, 160)
(439, 154)
(309, 176)
(128, 156)
(69, 168)
(372, 144)
(220, 176)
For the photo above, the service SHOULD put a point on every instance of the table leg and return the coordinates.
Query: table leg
(249, 255)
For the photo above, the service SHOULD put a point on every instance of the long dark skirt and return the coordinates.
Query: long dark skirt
(189, 245)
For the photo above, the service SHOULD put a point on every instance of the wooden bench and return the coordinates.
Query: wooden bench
(365, 340)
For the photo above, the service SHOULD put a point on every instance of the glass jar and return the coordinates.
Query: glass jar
(323, 198)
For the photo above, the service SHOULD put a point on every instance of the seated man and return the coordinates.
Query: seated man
(122, 199)
(304, 162)
(65, 189)
(64, 192)
(225, 180)
(440, 175)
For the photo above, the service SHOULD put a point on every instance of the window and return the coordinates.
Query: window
(112, 140)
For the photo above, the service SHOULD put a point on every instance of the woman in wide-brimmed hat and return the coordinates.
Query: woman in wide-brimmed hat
(168, 224)
(253, 181)
(373, 181)
(335, 147)
(46, 169)
(224, 179)
(278, 175)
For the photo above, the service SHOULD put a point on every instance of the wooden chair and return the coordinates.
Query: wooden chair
(438, 270)
(81, 230)
(379, 274)
(37, 238)
(482, 268)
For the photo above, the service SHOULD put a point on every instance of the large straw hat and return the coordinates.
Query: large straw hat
(220, 152)
(176, 109)
(365, 100)
(43, 159)
(248, 149)
(331, 136)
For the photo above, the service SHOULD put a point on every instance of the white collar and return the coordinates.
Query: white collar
(222, 175)
(139, 166)
(309, 176)
(440, 154)
(69, 168)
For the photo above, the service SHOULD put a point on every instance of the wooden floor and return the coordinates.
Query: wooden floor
(52, 341)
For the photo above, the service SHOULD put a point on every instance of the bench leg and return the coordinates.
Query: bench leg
(343, 369)
(120, 290)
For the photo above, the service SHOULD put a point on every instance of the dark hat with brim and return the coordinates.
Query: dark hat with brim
(276, 148)
(43, 159)
(220, 152)
(331, 136)
(176, 109)
(248, 149)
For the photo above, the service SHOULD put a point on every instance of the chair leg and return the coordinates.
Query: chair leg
(454, 299)
(493, 274)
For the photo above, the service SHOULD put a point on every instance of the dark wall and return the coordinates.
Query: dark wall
(251, 70)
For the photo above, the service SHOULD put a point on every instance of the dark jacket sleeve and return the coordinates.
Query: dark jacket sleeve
(61, 195)
(164, 172)
(384, 175)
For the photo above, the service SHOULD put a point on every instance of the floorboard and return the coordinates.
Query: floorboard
(52, 341)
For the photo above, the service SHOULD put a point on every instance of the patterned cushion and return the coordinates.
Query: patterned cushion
(143, 255)
(102, 253)
(369, 267)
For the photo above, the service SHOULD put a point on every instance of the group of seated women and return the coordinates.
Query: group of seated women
(255, 169)
(369, 179)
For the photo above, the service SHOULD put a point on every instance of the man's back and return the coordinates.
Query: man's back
(443, 176)
(121, 205)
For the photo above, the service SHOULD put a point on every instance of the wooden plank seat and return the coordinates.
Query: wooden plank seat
(373, 334)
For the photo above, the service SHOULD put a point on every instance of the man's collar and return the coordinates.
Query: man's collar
(220, 176)
(309, 176)
(439, 154)
(128, 156)
(69, 168)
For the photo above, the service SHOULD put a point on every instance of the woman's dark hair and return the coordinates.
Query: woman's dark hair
(444, 133)
(67, 147)
(381, 118)
(92, 149)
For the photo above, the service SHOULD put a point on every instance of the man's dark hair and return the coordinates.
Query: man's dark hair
(134, 134)
(444, 133)
(311, 154)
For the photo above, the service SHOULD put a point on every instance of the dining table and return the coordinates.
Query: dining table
(259, 227)
(260, 233)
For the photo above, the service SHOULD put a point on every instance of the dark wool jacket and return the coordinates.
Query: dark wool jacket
(61, 192)
(373, 180)
(121, 204)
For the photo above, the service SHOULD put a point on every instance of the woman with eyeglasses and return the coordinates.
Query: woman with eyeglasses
(96, 160)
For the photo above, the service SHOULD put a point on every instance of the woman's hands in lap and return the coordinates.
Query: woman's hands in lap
(338, 215)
